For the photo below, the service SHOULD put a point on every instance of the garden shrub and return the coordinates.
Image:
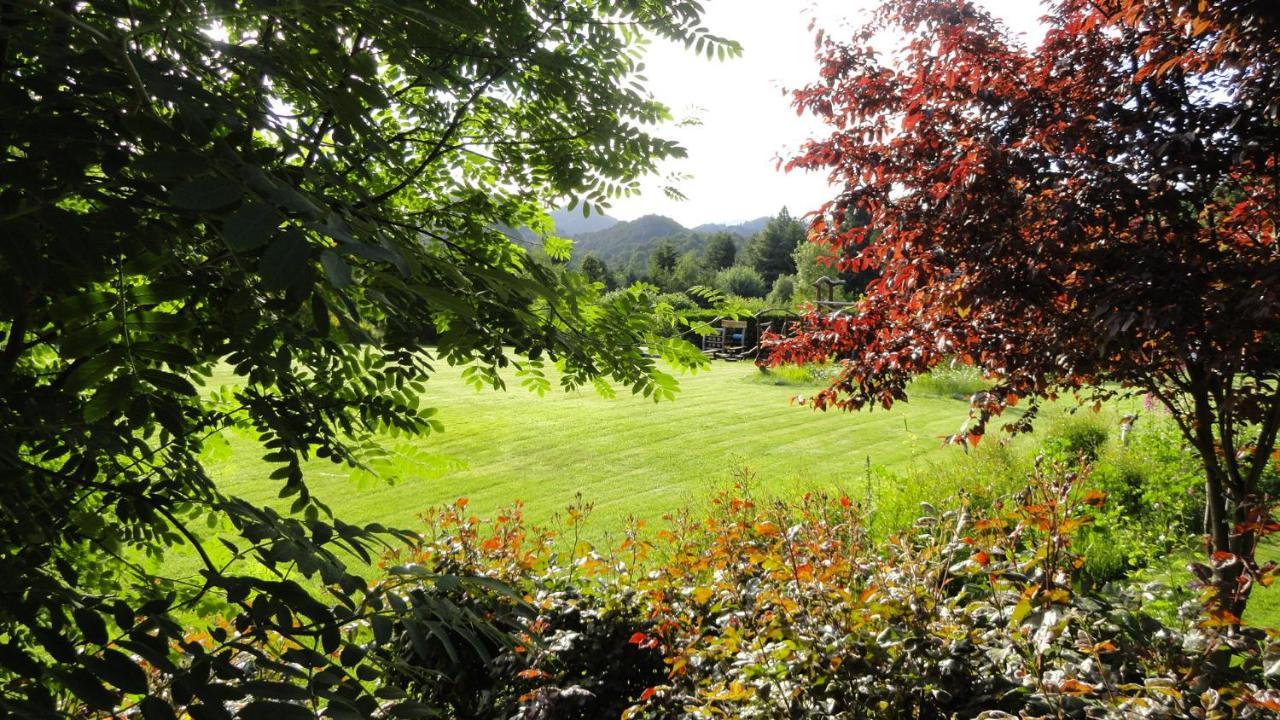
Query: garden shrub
(741, 280)
(1080, 433)
(677, 300)
(563, 654)
(783, 290)
(1156, 500)
(792, 609)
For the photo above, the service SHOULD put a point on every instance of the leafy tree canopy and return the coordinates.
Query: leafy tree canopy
(597, 271)
(770, 250)
(721, 251)
(1095, 212)
(662, 263)
(309, 193)
(690, 272)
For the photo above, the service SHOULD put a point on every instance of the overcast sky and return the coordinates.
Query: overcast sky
(746, 120)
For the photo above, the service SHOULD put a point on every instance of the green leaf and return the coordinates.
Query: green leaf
(274, 690)
(117, 669)
(171, 164)
(351, 655)
(153, 708)
(558, 248)
(82, 305)
(250, 226)
(412, 709)
(1020, 611)
(284, 264)
(381, 625)
(89, 339)
(93, 371)
(91, 625)
(338, 272)
(109, 398)
(170, 353)
(87, 687)
(207, 192)
(168, 381)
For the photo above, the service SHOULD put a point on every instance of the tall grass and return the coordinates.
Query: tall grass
(955, 380)
(794, 375)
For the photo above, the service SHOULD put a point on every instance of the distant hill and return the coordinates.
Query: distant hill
(627, 244)
(621, 238)
(743, 229)
(570, 223)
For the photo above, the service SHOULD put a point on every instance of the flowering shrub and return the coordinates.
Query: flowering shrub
(792, 610)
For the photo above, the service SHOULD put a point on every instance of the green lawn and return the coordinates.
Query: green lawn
(630, 456)
(627, 455)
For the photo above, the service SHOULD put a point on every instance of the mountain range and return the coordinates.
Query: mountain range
(629, 241)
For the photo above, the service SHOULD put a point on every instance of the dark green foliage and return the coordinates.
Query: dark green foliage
(720, 252)
(596, 271)
(587, 667)
(770, 251)
(567, 655)
(678, 301)
(1155, 493)
(662, 263)
(306, 192)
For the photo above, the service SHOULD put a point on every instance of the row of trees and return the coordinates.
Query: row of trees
(766, 264)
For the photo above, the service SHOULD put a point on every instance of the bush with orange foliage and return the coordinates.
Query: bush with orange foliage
(789, 608)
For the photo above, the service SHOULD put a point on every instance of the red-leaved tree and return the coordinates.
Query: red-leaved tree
(1096, 213)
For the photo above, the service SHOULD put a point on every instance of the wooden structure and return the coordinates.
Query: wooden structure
(730, 341)
(825, 290)
(739, 339)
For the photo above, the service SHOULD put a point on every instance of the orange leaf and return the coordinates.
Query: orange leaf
(1075, 687)
(767, 529)
(1057, 595)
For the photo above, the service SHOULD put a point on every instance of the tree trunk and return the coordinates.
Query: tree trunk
(1230, 553)
(1226, 509)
